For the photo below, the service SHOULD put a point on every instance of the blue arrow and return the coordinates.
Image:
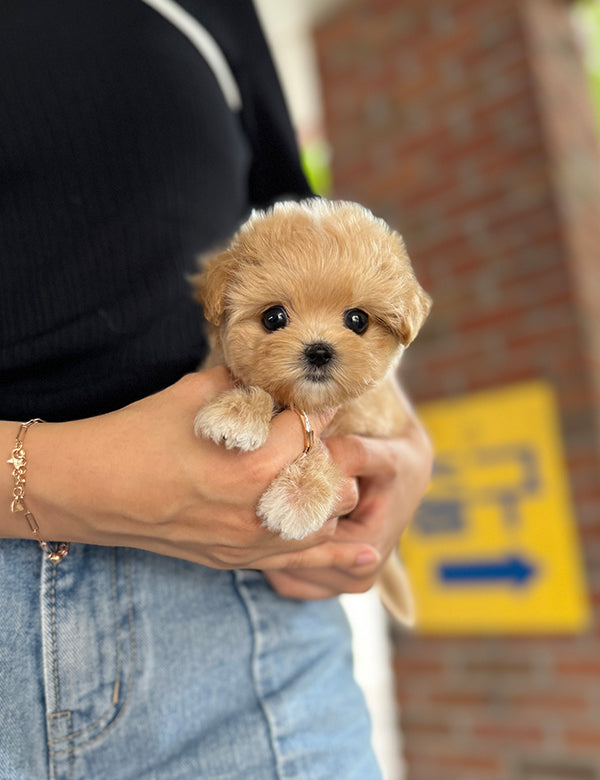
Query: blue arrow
(511, 570)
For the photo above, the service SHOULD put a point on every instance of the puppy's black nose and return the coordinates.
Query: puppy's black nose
(318, 354)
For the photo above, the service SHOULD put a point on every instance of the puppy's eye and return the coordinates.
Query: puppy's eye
(356, 320)
(274, 318)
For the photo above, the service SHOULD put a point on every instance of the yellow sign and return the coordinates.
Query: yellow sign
(493, 548)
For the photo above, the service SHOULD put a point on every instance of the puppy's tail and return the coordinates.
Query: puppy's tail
(395, 592)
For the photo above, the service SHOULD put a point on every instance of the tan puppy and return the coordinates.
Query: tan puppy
(311, 306)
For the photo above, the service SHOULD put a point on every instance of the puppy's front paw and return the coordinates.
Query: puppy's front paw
(236, 418)
(301, 498)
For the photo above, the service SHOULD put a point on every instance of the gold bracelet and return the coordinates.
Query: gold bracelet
(55, 551)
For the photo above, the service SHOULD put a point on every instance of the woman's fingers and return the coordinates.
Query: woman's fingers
(324, 582)
(359, 456)
(337, 555)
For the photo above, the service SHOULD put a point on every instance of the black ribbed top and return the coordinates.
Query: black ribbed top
(120, 162)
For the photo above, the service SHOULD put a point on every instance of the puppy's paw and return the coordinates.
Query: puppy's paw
(236, 418)
(301, 498)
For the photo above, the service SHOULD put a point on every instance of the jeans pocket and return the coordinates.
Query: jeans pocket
(88, 647)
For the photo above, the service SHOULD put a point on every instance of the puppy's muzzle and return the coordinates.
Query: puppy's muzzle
(318, 357)
(319, 354)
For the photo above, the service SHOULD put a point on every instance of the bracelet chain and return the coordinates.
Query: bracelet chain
(55, 551)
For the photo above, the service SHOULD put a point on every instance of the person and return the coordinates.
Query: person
(178, 638)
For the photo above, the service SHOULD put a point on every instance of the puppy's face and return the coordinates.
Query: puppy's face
(313, 302)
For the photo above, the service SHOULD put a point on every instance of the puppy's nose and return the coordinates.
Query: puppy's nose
(319, 354)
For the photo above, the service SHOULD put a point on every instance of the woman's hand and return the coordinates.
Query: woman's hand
(138, 477)
(392, 476)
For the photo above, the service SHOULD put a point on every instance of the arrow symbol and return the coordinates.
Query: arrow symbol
(511, 570)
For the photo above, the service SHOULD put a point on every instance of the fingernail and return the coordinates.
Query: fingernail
(367, 557)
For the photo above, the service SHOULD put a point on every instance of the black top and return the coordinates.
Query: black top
(120, 162)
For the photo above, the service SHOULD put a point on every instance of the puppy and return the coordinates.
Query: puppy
(311, 307)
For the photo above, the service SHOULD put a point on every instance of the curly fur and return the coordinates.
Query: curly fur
(317, 260)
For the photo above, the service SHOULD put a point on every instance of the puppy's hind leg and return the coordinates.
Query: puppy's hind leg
(395, 592)
(302, 496)
(236, 418)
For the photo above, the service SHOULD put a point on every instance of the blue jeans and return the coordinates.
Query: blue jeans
(121, 664)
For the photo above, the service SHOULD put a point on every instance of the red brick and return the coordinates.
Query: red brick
(459, 697)
(476, 322)
(588, 668)
(588, 739)
(468, 761)
(425, 727)
(509, 734)
(418, 666)
(541, 703)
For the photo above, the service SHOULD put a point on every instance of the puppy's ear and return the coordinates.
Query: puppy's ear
(210, 285)
(412, 312)
(411, 302)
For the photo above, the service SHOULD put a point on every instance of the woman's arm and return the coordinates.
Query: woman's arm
(138, 477)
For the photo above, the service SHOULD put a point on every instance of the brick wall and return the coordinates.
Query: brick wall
(467, 124)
